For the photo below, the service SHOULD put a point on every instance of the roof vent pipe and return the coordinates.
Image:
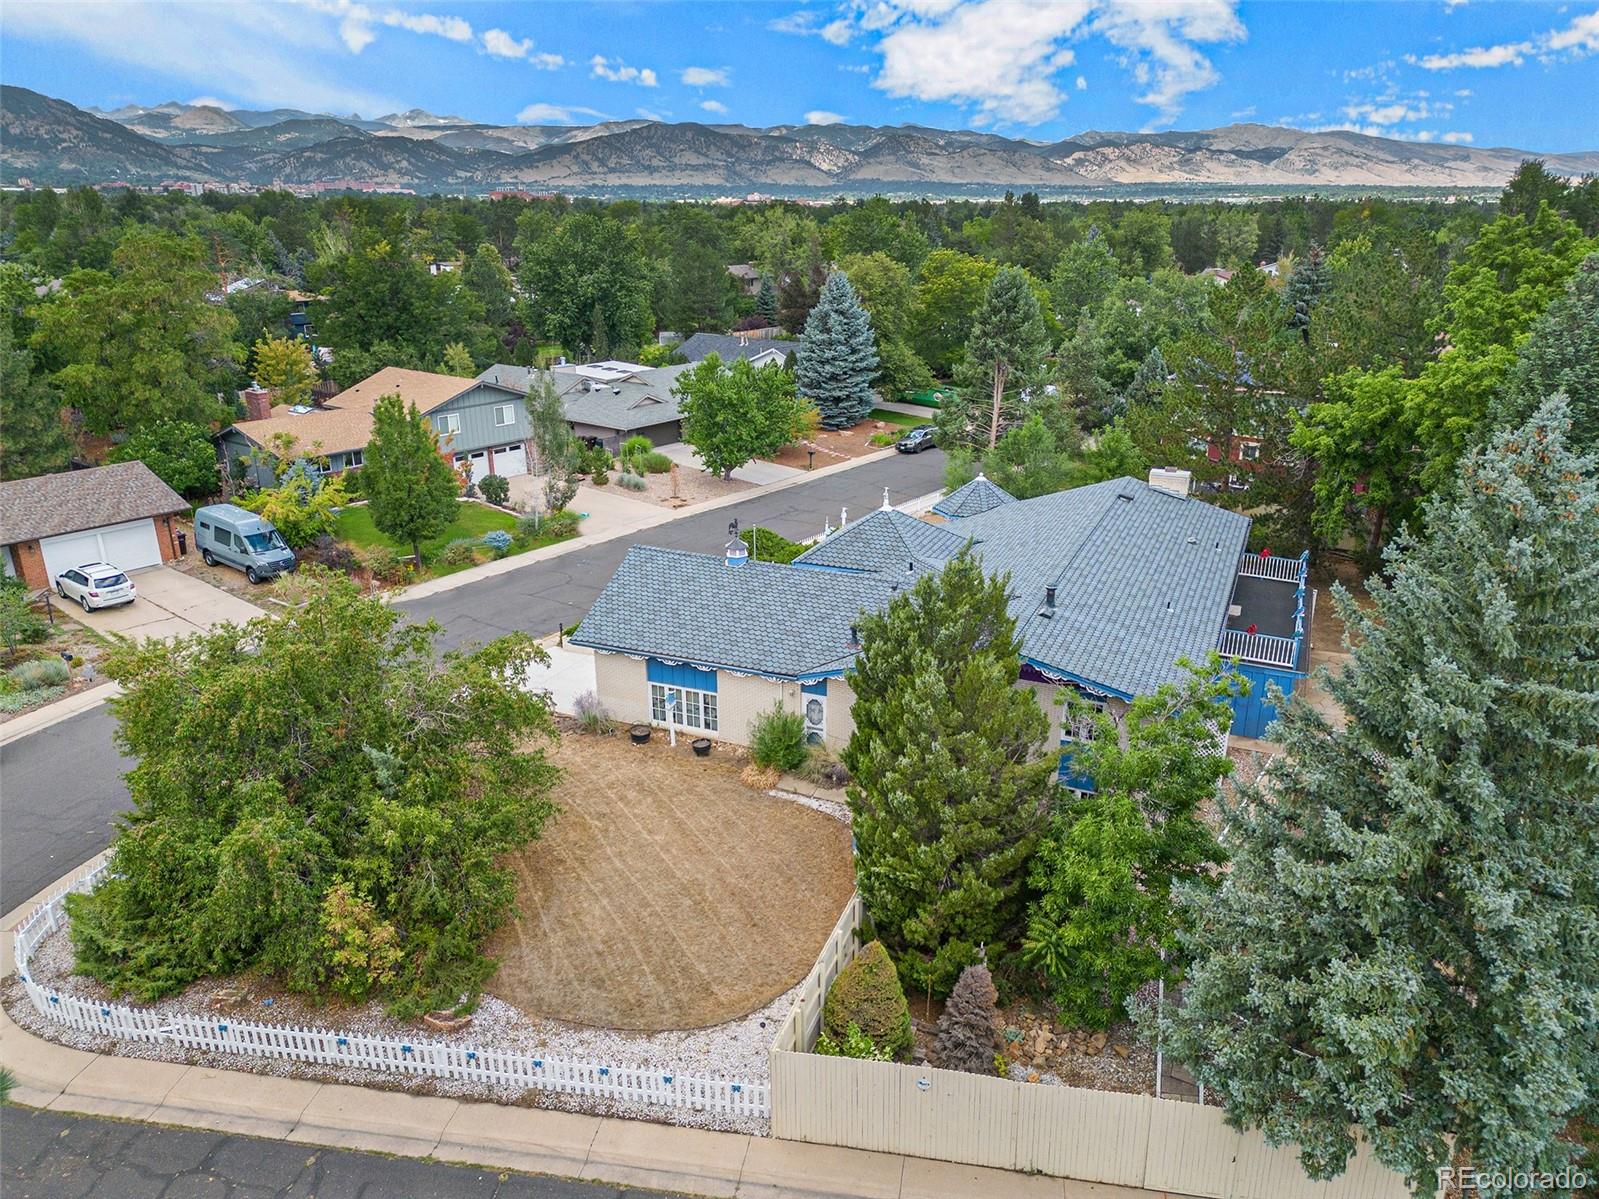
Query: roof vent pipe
(1049, 597)
(855, 635)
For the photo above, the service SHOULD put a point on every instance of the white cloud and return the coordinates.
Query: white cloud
(255, 54)
(1392, 110)
(208, 102)
(502, 45)
(1162, 38)
(649, 114)
(1577, 40)
(820, 116)
(1456, 138)
(618, 71)
(1082, 84)
(547, 62)
(705, 77)
(806, 23)
(556, 114)
(713, 106)
(453, 28)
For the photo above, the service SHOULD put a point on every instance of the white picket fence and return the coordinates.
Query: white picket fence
(220, 1033)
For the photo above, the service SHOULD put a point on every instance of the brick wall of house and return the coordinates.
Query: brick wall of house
(166, 536)
(29, 561)
(622, 687)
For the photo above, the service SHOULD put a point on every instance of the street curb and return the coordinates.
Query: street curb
(505, 565)
(55, 713)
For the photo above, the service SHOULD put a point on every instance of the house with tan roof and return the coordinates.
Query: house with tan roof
(482, 425)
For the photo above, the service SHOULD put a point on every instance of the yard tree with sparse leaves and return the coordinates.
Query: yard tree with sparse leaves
(411, 490)
(1408, 937)
(319, 796)
(283, 366)
(737, 412)
(952, 784)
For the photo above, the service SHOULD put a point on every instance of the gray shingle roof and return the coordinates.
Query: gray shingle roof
(643, 399)
(1117, 553)
(973, 498)
(82, 499)
(759, 618)
(882, 540)
(699, 345)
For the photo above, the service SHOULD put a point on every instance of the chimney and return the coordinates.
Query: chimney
(737, 553)
(1170, 479)
(257, 403)
(855, 636)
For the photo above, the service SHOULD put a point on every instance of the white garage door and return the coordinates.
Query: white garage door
(128, 546)
(478, 460)
(510, 460)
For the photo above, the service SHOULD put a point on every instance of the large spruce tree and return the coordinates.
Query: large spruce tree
(837, 357)
(951, 788)
(1561, 355)
(1006, 346)
(1408, 940)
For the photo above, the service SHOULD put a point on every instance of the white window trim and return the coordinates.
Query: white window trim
(701, 704)
(1082, 729)
(449, 423)
(510, 415)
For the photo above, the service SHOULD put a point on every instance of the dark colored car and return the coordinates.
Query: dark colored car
(918, 439)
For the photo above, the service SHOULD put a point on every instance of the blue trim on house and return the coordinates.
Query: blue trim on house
(838, 570)
(817, 688)
(1067, 676)
(694, 678)
(1253, 713)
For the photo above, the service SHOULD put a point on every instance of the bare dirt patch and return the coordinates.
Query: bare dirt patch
(666, 894)
(832, 446)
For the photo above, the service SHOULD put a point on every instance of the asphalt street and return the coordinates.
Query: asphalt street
(551, 595)
(51, 1155)
(61, 788)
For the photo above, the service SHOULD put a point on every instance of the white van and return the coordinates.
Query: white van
(228, 533)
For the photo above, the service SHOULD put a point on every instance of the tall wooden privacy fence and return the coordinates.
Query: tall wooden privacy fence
(222, 1033)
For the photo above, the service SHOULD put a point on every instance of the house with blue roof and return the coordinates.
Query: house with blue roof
(1110, 586)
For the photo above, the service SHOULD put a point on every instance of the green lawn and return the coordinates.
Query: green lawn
(903, 419)
(354, 526)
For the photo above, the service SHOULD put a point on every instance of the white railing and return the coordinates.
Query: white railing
(800, 1028)
(1283, 570)
(220, 1033)
(1259, 648)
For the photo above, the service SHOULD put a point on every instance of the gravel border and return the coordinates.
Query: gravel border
(737, 1050)
(828, 807)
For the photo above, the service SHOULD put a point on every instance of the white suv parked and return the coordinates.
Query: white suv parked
(95, 585)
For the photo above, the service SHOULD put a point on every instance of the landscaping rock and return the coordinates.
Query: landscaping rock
(446, 1021)
(1096, 1044)
(228, 999)
(1121, 1051)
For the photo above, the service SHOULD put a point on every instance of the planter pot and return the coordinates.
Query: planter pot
(640, 733)
(702, 747)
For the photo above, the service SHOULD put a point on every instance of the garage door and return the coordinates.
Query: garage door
(510, 460)
(128, 546)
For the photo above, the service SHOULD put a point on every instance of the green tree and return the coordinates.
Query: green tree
(1033, 459)
(303, 506)
(181, 454)
(1530, 187)
(283, 366)
(873, 226)
(949, 290)
(1307, 283)
(322, 797)
(837, 356)
(1236, 232)
(1083, 278)
(409, 486)
(1407, 940)
(139, 342)
(589, 283)
(33, 439)
(1005, 348)
(380, 293)
(885, 291)
(484, 276)
(1103, 924)
(1114, 456)
(457, 361)
(1561, 354)
(952, 782)
(766, 301)
(734, 413)
(1142, 240)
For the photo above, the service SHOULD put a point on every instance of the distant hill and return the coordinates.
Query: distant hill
(53, 142)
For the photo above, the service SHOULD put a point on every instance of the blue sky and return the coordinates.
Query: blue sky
(1516, 74)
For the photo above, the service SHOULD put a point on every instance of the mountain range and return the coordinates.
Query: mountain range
(51, 142)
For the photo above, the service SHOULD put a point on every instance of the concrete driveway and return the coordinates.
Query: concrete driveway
(169, 604)
(569, 674)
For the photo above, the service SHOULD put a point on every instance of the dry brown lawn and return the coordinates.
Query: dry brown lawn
(666, 893)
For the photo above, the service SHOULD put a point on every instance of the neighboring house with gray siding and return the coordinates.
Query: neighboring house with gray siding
(760, 351)
(481, 425)
(607, 401)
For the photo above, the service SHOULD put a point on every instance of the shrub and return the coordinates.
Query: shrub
(361, 950)
(18, 701)
(386, 565)
(499, 541)
(855, 1044)
(591, 713)
(884, 438)
(777, 739)
(496, 489)
(19, 623)
(631, 481)
(635, 446)
(867, 993)
(458, 553)
(561, 524)
(326, 550)
(595, 460)
(767, 546)
(966, 1029)
(41, 672)
(654, 463)
(599, 478)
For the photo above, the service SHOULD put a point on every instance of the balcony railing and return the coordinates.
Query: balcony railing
(1259, 648)
(1283, 570)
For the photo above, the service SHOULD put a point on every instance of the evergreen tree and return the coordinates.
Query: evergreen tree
(837, 357)
(33, 441)
(1149, 380)
(1103, 924)
(409, 486)
(1408, 939)
(967, 1031)
(952, 786)
(457, 361)
(1007, 344)
(766, 301)
(1306, 284)
(1561, 355)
